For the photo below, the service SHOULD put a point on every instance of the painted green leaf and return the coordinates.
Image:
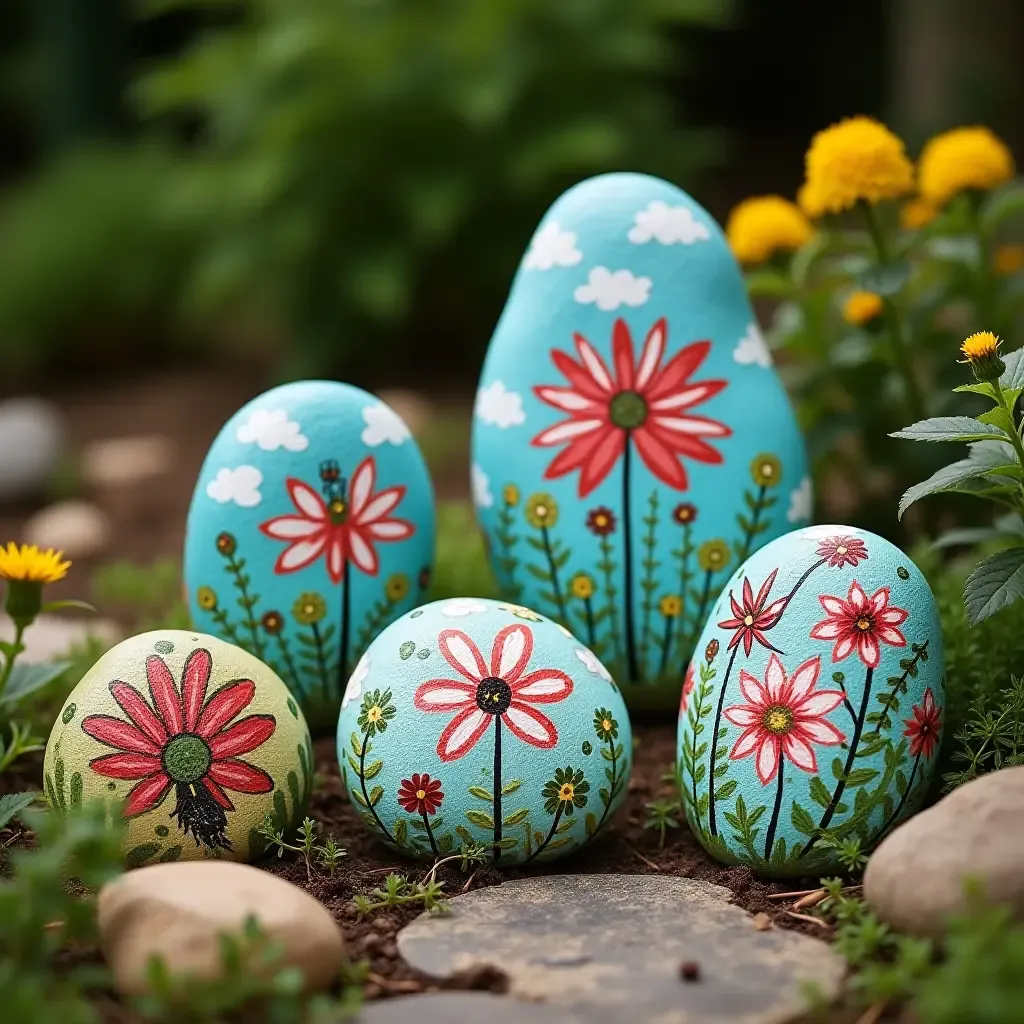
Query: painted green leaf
(280, 811)
(591, 823)
(819, 793)
(170, 854)
(401, 832)
(138, 856)
(997, 581)
(375, 794)
(480, 818)
(802, 820)
(516, 817)
(860, 776)
(445, 843)
(901, 784)
(356, 743)
(353, 764)
(564, 826)
(58, 779)
(482, 794)
(837, 769)
(51, 793)
(465, 835)
(372, 770)
(76, 789)
(726, 790)
(511, 786)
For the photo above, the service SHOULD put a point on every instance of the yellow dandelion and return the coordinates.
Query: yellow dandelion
(761, 226)
(916, 213)
(982, 352)
(856, 159)
(861, 308)
(1008, 259)
(27, 563)
(962, 159)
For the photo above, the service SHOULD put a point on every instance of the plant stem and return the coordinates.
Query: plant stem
(712, 827)
(748, 538)
(430, 834)
(611, 786)
(549, 836)
(343, 643)
(559, 599)
(496, 809)
(903, 799)
(667, 642)
(627, 569)
(16, 648)
(1013, 434)
(769, 838)
(366, 795)
(591, 636)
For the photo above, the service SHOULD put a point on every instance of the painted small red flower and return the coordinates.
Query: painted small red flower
(496, 691)
(184, 740)
(688, 683)
(840, 551)
(341, 526)
(925, 728)
(754, 615)
(420, 794)
(783, 717)
(641, 401)
(685, 513)
(601, 521)
(860, 622)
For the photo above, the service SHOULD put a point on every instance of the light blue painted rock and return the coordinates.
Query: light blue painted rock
(815, 702)
(471, 722)
(311, 528)
(632, 442)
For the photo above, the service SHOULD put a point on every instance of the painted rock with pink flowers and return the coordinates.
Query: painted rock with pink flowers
(311, 528)
(469, 722)
(812, 711)
(632, 442)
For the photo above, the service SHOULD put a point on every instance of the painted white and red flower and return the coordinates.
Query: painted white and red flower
(688, 683)
(342, 528)
(840, 551)
(860, 623)
(500, 691)
(639, 400)
(751, 618)
(784, 718)
(924, 729)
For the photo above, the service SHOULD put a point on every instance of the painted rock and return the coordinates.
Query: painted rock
(471, 722)
(195, 738)
(632, 442)
(311, 528)
(813, 710)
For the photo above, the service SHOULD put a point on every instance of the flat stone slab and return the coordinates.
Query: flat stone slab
(461, 1008)
(611, 948)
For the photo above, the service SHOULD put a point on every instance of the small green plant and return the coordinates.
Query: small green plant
(848, 851)
(325, 855)
(398, 891)
(663, 815)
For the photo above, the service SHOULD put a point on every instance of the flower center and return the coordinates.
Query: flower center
(778, 720)
(606, 725)
(628, 410)
(566, 792)
(749, 620)
(420, 794)
(338, 510)
(767, 470)
(187, 758)
(841, 550)
(864, 623)
(373, 715)
(493, 695)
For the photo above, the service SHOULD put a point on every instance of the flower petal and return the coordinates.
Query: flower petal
(242, 737)
(194, 679)
(818, 730)
(306, 501)
(677, 369)
(834, 606)
(114, 732)
(126, 766)
(135, 707)
(698, 426)
(747, 743)
(593, 364)
(816, 704)
(622, 355)
(444, 695)
(218, 794)
(659, 459)
(146, 795)
(166, 699)
(462, 733)
(803, 680)
(363, 553)
(742, 715)
(768, 758)
(362, 487)
(844, 647)
(530, 726)
(799, 752)
(290, 527)
(381, 504)
(775, 681)
(605, 454)
(890, 635)
(462, 654)
(857, 599)
(565, 399)
(391, 529)
(879, 600)
(868, 649)
(545, 686)
(567, 430)
(654, 349)
(300, 554)
(241, 776)
(336, 555)
(227, 702)
(830, 629)
(511, 652)
(753, 690)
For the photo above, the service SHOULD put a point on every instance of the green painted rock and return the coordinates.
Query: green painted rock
(196, 739)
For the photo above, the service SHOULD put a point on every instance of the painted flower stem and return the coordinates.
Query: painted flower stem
(343, 646)
(547, 839)
(496, 811)
(226, 626)
(684, 589)
(803, 579)
(751, 531)
(702, 611)
(663, 667)
(611, 787)
(919, 655)
(430, 833)
(607, 567)
(289, 662)
(366, 795)
(320, 659)
(550, 555)
(712, 826)
(769, 839)
(903, 799)
(627, 567)
(241, 581)
(588, 606)
(837, 794)
(648, 583)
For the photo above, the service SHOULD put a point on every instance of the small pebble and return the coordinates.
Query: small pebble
(78, 528)
(127, 460)
(689, 971)
(31, 440)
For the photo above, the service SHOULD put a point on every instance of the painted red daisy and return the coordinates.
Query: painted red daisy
(641, 400)
(783, 717)
(498, 693)
(754, 615)
(420, 794)
(862, 623)
(688, 683)
(184, 740)
(925, 728)
(341, 526)
(840, 551)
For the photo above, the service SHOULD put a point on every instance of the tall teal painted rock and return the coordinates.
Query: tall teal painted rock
(311, 528)
(475, 723)
(632, 442)
(812, 713)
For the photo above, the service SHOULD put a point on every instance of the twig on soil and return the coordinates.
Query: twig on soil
(873, 1013)
(809, 892)
(808, 919)
(469, 882)
(637, 853)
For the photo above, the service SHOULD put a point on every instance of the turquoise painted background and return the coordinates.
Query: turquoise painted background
(853, 705)
(634, 258)
(354, 530)
(418, 731)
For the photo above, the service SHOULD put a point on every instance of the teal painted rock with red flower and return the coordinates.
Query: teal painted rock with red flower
(311, 528)
(632, 442)
(195, 739)
(812, 712)
(472, 723)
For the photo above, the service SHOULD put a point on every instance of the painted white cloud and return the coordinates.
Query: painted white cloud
(752, 350)
(383, 426)
(552, 247)
(241, 485)
(801, 502)
(611, 289)
(499, 407)
(592, 663)
(271, 429)
(354, 689)
(669, 225)
(482, 496)
(462, 606)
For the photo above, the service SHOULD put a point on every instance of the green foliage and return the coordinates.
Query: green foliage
(150, 594)
(663, 815)
(325, 855)
(398, 891)
(461, 567)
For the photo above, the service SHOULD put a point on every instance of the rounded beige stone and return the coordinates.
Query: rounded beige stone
(179, 911)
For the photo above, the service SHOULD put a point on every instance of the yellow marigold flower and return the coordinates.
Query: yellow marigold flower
(861, 308)
(806, 201)
(30, 564)
(916, 213)
(982, 352)
(856, 159)
(761, 226)
(961, 159)
(1008, 259)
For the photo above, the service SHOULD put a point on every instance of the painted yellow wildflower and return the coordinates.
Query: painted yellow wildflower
(962, 159)
(861, 308)
(761, 226)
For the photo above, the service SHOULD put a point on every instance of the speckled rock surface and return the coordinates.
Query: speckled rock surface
(462, 1008)
(611, 947)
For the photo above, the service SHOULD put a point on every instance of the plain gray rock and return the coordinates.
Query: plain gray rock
(461, 1008)
(916, 877)
(609, 948)
(31, 442)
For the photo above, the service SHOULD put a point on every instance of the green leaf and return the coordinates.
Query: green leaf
(516, 817)
(138, 855)
(591, 823)
(480, 818)
(860, 776)
(1002, 205)
(837, 769)
(372, 770)
(172, 853)
(68, 602)
(949, 428)
(726, 790)
(375, 794)
(28, 677)
(769, 284)
(997, 581)
(887, 280)
(802, 820)
(984, 460)
(401, 832)
(482, 794)
(511, 786)
(11, 804)
(819, 793)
